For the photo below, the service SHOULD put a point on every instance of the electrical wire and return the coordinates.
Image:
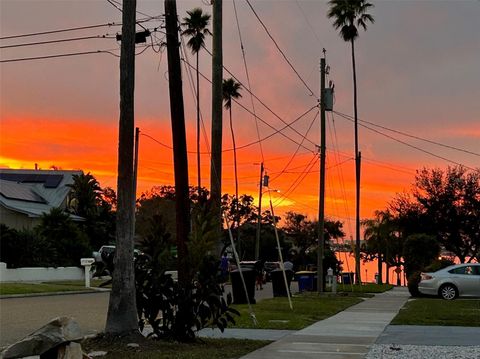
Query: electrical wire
(413, 136)
(57, 41)
(148, 18)
(296, 151)
(279, 49)
(248, 80)
(408, 144)
(60, 55)
(259, 100)
(263, 121)
(61, 30)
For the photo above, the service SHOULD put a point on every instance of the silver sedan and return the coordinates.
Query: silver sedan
(453, 281)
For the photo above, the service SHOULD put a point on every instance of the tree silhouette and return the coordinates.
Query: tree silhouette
(196, 28)
(231, 90)
(348, 15)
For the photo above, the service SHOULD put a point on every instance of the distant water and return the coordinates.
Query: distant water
(368, 269)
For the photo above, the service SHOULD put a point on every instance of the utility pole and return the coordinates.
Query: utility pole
(321, 205)
(122, 313)
(217, 112)
(358, 162)
(259, 218)
(180, 161)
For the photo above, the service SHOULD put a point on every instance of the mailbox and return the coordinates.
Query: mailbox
(87, 261)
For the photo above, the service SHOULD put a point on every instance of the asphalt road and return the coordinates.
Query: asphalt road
(21, 316)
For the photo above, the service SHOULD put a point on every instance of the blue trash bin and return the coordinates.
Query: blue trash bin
(347, 277)
(306, 281)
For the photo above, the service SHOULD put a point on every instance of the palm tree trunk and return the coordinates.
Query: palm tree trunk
(357, 173)
(180, 160)
(217, 112)
(236, 176)
(198, 131)
(122, 311)
(379, 268)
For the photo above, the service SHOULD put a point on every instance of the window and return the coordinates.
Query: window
(468, 270)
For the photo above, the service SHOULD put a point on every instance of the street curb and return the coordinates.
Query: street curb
(48, 294)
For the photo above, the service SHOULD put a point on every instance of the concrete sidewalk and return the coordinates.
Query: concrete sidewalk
(348, 334)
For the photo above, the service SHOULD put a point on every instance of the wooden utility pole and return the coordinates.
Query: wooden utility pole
(122, 311)
(217, 112)
(180, 161)
(259, 217)
(321, 205)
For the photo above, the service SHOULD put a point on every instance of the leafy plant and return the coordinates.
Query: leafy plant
(178, 313)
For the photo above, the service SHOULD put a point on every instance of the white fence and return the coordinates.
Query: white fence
(40, 274)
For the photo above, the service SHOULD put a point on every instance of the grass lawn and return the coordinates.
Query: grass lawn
(26, 288)
(275, 313)
(434, 311)
(153, 349)
(81, 283)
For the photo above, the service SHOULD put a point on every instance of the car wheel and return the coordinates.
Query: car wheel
(448, 291)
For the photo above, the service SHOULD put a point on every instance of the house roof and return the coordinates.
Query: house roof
(35, 192)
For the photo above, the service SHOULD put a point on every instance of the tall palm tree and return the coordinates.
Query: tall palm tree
(378, 233)
(196, 28)
(348, 15)
(230, 91)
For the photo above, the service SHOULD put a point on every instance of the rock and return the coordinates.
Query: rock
(96, 354)
(133, 345)
(70, 351)
(51, 335)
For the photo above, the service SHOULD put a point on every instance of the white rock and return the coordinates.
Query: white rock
(96, 354)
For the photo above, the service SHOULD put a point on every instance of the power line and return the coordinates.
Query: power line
(57, 41)
(109, 24)
(308, 23)
(60, 55)
(408, 144)
(263, 121)
(279, 49)
(413, 136)
(296, 151)
(248, 79)
(60, 30)
(261, 102)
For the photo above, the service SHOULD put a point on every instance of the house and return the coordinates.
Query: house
(27, 194)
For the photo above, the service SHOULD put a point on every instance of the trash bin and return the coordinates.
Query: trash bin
(278, 282)
(347, 277)
(238, 290)
(307, 281)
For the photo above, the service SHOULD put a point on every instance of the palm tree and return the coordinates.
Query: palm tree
(196, 28)
(231, 90)
(85, 193)
(348, 15)
(378, 235)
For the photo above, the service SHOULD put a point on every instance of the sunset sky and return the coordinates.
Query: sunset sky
(417, 69)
